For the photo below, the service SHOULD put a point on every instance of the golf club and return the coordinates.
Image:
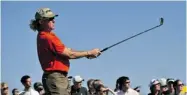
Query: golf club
(161, 23)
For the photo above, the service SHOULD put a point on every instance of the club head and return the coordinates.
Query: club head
(161, 21)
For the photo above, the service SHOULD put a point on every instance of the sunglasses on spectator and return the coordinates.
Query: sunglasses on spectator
(127, 82)
(5, 88)
(180, 84)
(164, 86)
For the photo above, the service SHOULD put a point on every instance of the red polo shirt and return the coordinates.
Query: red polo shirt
(48, 45)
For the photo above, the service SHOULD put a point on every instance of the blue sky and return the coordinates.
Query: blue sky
(87, 25)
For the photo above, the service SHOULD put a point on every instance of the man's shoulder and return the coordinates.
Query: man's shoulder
(133, 91)
(35, 92)
(83, 88)
(119, 92)
(21, 93)
(44, 35)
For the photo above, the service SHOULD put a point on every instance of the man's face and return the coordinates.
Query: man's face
(164, 88)
(77, 85)
(49, 23)
(4, 90)
(16, 92)
(170, 86)
(157, 87)
(126, 84)
(102, 91)
(179, 85)
(27, 83)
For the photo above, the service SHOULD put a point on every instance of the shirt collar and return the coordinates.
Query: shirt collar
(44, 32)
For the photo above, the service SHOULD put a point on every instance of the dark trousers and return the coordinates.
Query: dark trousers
(55, 83)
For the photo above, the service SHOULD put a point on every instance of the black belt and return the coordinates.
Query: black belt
(56, 71)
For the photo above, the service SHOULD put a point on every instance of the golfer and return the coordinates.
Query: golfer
(53, 55)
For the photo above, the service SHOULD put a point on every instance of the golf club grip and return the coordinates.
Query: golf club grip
(104, 49)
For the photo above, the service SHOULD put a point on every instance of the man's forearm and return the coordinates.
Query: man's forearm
(72, 54)
(78, 54)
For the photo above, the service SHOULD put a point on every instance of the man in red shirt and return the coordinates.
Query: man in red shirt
(53, 54)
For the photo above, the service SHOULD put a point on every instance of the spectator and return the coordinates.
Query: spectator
(38, 86)
(154, 87)
(91, 90)
(164, 87)
(26, 81)
(15, 91)
(178, 85)
(77, 88)
(53, 55)
(4, 89)
(170, 83)
(100, 89)
(97, 82)
(124, 87)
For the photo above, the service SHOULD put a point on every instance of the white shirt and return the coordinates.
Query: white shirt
(29, 92)
(130, 91)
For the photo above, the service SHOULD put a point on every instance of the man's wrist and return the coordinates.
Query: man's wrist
(87, 53)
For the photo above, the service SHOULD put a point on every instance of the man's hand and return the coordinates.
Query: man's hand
(94, 53)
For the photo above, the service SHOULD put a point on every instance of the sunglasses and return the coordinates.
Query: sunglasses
(164, 86)
(50, 19)
(5, 88)
(180, 84)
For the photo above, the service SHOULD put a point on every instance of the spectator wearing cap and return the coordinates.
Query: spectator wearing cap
(178, 85)
(38, 86)
(154, 87)
(4, 89)
(53, 54)
(26, 81)
(164, 87)
(76, 88)
(170, 82)
(124, 87)
(15, 91)
(91, 90)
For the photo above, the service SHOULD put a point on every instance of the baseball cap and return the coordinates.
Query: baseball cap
(78, 79)
(38, 85)
(153, 82)
(163, 82)
(44, 13)
(170, 80)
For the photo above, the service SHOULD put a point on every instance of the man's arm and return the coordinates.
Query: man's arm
(61, 50)
(72, 54)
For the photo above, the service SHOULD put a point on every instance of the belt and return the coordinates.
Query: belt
(56, 71)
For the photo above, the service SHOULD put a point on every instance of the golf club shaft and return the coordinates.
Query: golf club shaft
(130, 38)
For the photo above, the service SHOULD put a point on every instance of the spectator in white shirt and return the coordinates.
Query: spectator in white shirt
(26, 81)
(124, 87)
